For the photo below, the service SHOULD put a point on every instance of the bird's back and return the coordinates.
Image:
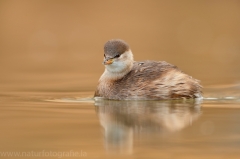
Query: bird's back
(151, 80)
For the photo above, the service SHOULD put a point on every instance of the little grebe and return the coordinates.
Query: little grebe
(126, 79)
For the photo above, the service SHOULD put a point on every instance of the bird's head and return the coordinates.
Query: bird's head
(117, 56)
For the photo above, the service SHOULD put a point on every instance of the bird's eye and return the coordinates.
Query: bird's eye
(117, 56)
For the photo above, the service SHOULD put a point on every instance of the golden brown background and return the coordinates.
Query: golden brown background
(57, 45)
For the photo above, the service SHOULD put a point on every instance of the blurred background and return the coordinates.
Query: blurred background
(57, 45)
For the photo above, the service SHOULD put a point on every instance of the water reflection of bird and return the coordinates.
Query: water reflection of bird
(122, 120)
(124, 78)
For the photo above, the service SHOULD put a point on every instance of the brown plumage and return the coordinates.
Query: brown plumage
(125, 79)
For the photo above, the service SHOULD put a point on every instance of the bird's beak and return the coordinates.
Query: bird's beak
(108, 61)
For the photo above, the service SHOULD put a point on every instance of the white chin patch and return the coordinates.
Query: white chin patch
(116, 66)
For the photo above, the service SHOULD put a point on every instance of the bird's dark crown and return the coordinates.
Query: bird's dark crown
(115, 47)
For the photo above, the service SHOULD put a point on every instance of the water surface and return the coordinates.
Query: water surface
(73, 125)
